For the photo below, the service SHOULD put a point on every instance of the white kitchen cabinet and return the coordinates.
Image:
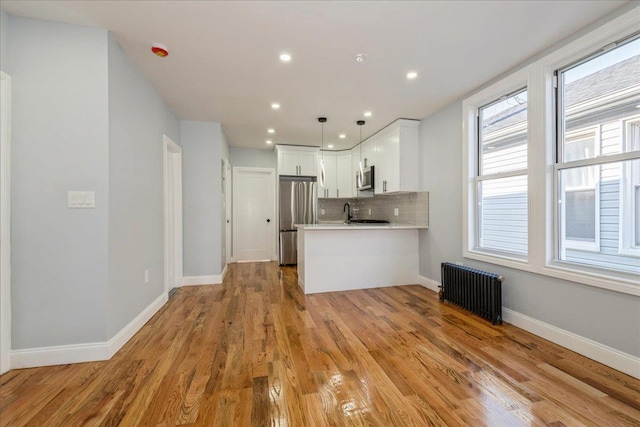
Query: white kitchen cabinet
(369, 152)
(355, 166)
(329, 190)
(344, 175)
(396, 158)
(338, 173)
(297, 160)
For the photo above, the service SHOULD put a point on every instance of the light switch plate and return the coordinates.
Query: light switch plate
(81, 199)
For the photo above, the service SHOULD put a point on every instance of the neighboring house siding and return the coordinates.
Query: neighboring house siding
(504, 223)
(609, 209)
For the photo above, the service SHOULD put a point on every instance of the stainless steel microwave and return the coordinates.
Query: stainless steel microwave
(368, 179)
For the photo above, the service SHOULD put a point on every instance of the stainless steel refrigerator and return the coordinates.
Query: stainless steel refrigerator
(298, 205)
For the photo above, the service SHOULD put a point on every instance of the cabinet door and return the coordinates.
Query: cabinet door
(329, 189)
(392, 161)
(287, 163)
(369, 152)
(355, 166)
(388, 155)
(308, 163)
(345, 176)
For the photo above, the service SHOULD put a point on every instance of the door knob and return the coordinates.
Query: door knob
(268, 220)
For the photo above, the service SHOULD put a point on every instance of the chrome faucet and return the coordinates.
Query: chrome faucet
(347, 208)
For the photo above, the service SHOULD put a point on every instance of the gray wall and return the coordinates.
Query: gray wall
(201, 183)
(610, 318)
(138, 118)
(4, 42)
(252, 157)
(59, 143)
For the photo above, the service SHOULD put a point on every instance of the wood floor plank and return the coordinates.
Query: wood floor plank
(255, 351)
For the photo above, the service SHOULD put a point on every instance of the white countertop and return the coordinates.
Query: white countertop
(343, 226)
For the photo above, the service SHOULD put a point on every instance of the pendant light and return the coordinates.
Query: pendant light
(360, 176)
(322, 120)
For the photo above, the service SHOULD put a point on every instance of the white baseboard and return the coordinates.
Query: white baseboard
(606, 355)
(80, 353)
(59, 355)
(616, 359)
(428, 283)
(126, 333)
(213, 279)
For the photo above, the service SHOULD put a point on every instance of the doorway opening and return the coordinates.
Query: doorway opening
(172, 216)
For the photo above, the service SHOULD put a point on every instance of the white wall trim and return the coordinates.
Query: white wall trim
(59, 355)
(616, 359)
(428, 283)
(212, 279)
(89, 352)
(5, 223)
(606, 355)
(224, 272)
(126, 333)
(172, 151)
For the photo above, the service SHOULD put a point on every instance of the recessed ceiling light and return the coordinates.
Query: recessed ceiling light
(275, 106)
(269, 141)
(367, 113)
(361, 57)
(271, 130)
(330, 146)
(412, 75)
(285, 57)
(342, 136)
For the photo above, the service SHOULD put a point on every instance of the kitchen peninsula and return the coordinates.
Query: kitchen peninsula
(338, 257)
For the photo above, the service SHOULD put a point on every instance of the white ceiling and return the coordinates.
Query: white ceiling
(224, 62)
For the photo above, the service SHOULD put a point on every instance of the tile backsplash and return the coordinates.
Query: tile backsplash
(413, 208)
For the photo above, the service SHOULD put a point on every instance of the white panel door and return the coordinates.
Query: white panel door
(254, 219)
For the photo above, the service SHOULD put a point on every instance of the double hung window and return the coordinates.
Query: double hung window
(551, 161)
(596, 169)
(501, 182)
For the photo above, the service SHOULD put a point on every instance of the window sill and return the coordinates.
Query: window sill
(506, 260)
(626, 283)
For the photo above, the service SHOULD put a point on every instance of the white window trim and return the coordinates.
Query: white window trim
(538, 77)
(577, 244)
(470, 230)
(627, 225)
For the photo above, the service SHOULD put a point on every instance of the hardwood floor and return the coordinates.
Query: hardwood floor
(255, 351)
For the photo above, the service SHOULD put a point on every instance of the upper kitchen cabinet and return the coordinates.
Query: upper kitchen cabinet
(297, 160)
(396, 158)
(369, 151)
(338, 171)
(344, 175)
(330, 170)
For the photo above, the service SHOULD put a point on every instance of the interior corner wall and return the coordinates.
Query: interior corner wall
(201, 197)
(59, 143)
(138, 119)
(607, 317)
